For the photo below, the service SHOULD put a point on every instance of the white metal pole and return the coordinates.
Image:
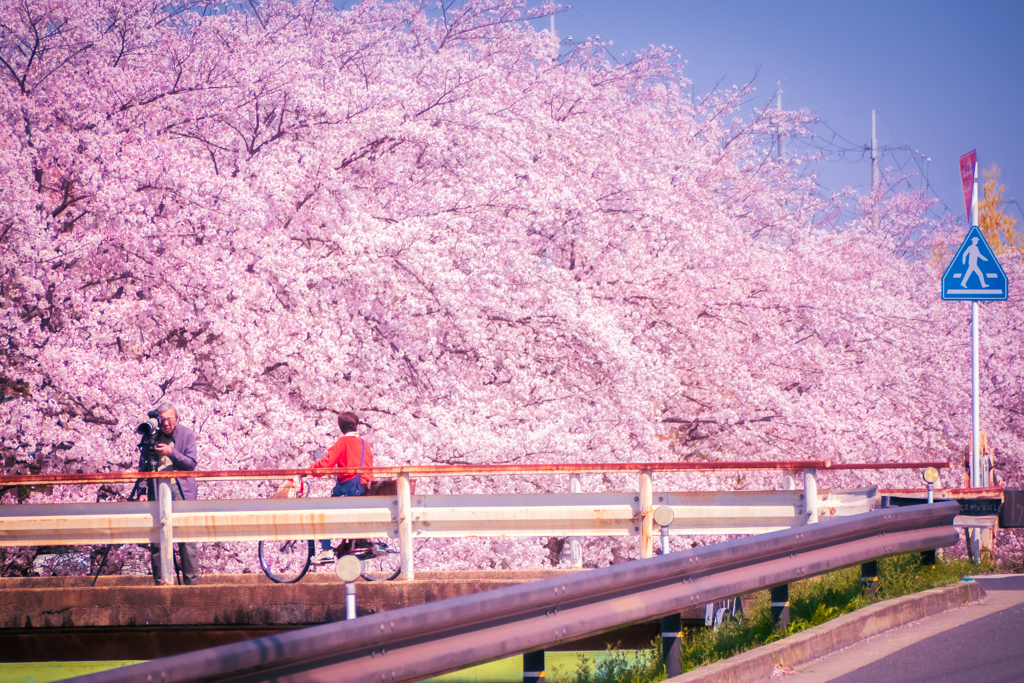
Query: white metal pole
(975, 417)
(811, 495)
(163, 490)
(350, 600)
(405, 527)
(646, 514)
(575, 549)
(975, 413)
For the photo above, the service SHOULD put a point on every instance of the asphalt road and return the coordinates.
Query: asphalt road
(980, 642)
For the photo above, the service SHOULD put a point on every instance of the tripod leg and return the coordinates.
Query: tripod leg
(177, 568)
(103, 563)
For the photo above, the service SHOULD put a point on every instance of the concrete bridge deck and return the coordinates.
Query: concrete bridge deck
(127, 617)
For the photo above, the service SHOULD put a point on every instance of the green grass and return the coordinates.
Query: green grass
(813, 601)
(618, 667)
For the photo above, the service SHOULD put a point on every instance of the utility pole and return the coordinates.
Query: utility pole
(874, 173)
(782, 143)
(874, 155)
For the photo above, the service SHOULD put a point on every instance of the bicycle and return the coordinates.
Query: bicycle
(288, 561)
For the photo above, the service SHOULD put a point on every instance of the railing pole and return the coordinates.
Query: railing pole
(787, 481)
(163, 495)
(575, 549)
(405, 526)
(533, 667)
(811, 495)
(646, 514)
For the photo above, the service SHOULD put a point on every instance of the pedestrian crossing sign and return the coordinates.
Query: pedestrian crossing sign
(974, 274)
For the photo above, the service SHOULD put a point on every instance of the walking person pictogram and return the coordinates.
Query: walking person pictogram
(974, 254)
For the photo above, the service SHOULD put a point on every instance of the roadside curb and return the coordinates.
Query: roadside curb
(759, 664)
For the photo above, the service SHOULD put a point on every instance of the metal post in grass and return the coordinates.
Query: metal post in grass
(533, 667)
(672, 625)
(869, 577)
(672, 644)
(780, 606)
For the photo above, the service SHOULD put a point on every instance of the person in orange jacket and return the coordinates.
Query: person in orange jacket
(348, 451)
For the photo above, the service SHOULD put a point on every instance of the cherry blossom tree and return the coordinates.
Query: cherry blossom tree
(492, 251)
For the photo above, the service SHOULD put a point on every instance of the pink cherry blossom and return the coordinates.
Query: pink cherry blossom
(491, 251)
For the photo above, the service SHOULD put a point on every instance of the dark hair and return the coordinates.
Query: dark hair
(348, 422)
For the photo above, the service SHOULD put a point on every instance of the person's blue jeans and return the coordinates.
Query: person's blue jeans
(349, 487)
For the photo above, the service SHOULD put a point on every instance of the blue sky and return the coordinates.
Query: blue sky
(946, 77)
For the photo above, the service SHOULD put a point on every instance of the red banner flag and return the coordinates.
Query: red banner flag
(967, 164)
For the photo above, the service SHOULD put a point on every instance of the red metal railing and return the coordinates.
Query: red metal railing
(985, 492)
(415, 471)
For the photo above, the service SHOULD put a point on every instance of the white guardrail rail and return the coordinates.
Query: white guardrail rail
(407, 517)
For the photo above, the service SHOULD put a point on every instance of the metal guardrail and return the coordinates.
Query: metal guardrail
(263, 521)
(424, 516)
(428, 640)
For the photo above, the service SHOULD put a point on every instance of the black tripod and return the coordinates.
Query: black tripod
(143, 485)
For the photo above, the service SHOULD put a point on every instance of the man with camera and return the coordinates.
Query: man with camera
(175, 447)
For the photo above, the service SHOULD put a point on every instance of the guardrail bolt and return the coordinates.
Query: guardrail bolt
(671, 645)
(533, 667)
(869, 577)
(780, 606)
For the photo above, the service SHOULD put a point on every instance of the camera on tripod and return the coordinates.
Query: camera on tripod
(148, 429)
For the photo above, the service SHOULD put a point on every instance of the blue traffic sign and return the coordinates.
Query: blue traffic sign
(974, 274)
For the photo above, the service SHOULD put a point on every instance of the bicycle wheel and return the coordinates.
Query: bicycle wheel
(382, 561)
(285, 561)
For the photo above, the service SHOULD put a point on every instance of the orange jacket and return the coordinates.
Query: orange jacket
(347, 452)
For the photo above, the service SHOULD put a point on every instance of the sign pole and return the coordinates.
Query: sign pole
(975, 414)
(976, 419)
(974, 275)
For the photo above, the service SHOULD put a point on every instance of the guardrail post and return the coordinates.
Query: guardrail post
(575, 549)
(533, 667)
(671, 644)
(780, 606)
(869, 576)
(811, 495)
(405, 526)
(646, 514)
(787, 481)
(163, 495)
